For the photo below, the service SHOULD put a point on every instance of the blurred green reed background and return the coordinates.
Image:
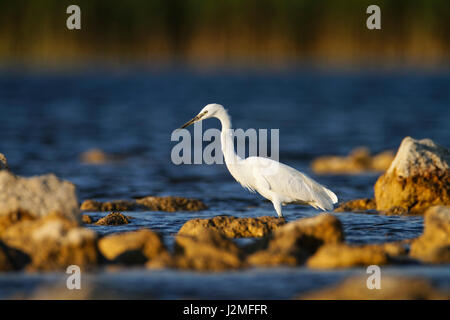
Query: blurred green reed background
(224, 32)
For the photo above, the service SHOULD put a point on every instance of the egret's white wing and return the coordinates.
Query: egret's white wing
(290, 184)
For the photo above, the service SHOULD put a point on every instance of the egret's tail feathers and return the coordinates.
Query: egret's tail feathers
(308, 190)
(325, 200)
(323, 206)
(333, 197)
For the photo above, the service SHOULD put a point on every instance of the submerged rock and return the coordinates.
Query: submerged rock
(115, 205)
(294, 242)
(134, 247)
(171, 204)
(419, 177)
(357, 205)
(391, 288)
(113, 219)
(94, 156)
(344, 256)
(358, 161)
(53, 242)
(233, 227)
(37, 196)
(206, 251)
(434, 244)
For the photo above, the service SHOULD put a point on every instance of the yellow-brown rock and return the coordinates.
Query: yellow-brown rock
(273, 258)
(233, 227)
(115, 205)
(294, 242)
(94, 156)
(358, 161)
(3, 162)
(344, 256)
(163, 261)
(418, 178)
(391, 288)
(86, 219)
(168, 204)
(14, 217)
(357, 205)
(90, 290)
(113, 219)
(134, 247)
(381, 161)
(207, 251)
(53, 242)
(171, 204)
(434, 244)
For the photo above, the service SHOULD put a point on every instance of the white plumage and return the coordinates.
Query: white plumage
(275, 181)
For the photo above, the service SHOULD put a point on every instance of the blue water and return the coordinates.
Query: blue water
(48, 120)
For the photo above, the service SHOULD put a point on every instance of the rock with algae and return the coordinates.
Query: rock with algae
(113, 219)
(294, 242)
(3, 162)
(434, 244)
(233, 227)
(418, 178)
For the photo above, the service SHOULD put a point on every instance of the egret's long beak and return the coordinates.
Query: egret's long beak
(193, 120)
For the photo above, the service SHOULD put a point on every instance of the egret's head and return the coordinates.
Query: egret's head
(209, 111)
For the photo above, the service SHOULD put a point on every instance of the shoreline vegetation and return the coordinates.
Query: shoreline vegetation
(265, 33)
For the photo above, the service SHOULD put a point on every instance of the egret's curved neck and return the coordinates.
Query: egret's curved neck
(226, 138)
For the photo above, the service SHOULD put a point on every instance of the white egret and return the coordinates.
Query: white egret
(275, 181)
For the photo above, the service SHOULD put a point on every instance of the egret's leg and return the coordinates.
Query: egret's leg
(277, 206)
